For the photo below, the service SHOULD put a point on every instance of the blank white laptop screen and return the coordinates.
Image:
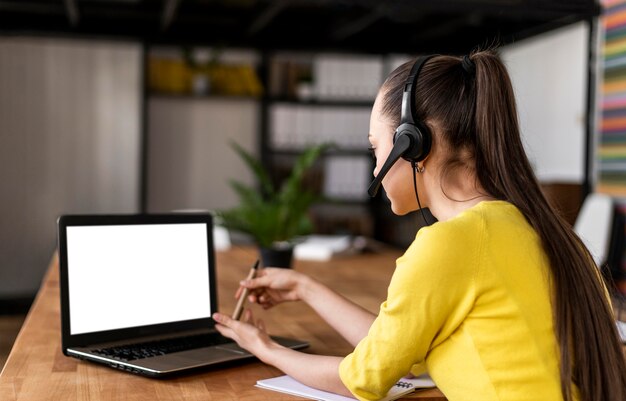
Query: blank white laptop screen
(135, 275)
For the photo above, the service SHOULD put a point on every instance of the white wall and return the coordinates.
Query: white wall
(550, 81)
(190, 159)
(69, 143)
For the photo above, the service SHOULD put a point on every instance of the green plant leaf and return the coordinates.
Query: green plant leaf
(271, 216)
(292, 186)
(248, 196)
(256, 167)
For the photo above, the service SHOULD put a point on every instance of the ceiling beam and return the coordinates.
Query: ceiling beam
(264, 19)
(72, 12)
(34, 8)
(448, 28)
(169, 12)
(359, 24)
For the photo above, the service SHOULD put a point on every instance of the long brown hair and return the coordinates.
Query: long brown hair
(475, 114)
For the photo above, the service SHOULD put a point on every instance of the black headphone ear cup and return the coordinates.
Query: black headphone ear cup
(426, 139)
(420, 138)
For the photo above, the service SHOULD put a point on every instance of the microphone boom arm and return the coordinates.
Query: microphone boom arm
(399, 148)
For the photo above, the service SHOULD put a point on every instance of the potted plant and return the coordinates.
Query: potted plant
(272, 216)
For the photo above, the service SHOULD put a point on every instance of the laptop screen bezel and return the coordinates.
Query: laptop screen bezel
(81, 340)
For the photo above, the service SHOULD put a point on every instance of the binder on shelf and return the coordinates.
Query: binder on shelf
(279, 126)
(340, 77)
(295, 126)
(346, 177)
(394, 61)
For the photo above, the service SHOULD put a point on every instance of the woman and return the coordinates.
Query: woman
(498, 300)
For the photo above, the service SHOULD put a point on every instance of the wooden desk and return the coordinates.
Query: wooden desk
(37, 370)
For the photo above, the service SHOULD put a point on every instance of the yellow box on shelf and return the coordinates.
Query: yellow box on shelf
(173, 76)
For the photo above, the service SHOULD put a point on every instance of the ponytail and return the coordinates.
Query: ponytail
(591, 356)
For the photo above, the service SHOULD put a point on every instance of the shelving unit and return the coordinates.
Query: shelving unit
(300, 109)
(303, 107)
(282, 122)
(188, 129)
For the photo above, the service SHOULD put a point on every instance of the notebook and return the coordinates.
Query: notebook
(138, 292)
(288, 385)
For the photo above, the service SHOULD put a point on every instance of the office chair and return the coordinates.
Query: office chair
(594, 225)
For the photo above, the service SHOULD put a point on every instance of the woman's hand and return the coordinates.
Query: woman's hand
(313, 370)
(247, 333)
(274, 286)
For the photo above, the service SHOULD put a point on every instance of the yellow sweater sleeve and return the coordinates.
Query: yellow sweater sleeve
(431, 292)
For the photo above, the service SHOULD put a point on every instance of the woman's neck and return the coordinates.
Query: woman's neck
(446, 209)
(458, 195)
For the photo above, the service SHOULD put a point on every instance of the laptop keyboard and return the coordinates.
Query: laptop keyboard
(154, 348)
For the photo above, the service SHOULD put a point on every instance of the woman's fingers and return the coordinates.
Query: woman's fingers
(255, 285)
(226, 325)
(225, 320)
(255, 295)
(260, 296)
(230, 327)
(261, 325)
(259, 282)
(272, 286)
(247, 316)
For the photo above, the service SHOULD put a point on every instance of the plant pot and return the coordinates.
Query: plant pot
(277, 257)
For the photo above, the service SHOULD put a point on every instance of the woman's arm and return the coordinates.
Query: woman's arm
(274, 286)
(318, 371)
(350, 320)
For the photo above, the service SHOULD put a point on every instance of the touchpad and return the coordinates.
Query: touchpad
(233, 348)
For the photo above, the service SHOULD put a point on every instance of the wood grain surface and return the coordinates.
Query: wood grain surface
(37, 370)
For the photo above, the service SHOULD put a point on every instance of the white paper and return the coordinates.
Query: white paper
(321, 247)
(288, 385)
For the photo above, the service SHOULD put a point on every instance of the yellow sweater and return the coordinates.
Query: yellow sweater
(469, 302)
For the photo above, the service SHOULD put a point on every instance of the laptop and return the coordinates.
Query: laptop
(138, 293)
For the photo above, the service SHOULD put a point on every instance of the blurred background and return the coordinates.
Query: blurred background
(128, 106)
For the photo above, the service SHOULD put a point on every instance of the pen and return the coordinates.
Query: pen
(244, 293)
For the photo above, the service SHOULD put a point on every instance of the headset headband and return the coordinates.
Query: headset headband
(411, 140)
(408, 96)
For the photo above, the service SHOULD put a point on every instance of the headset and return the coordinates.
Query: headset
(412, 139)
